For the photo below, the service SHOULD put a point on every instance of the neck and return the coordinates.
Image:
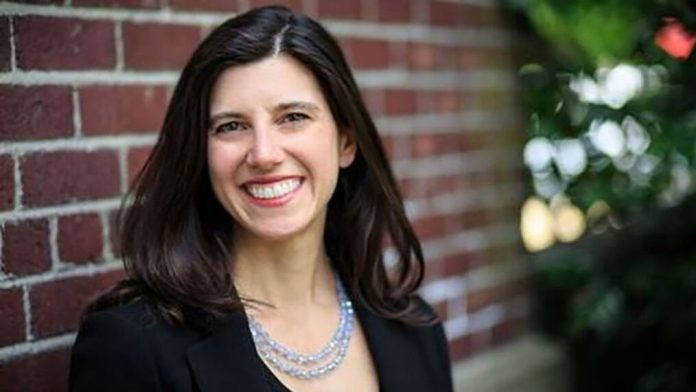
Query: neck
(291, 274)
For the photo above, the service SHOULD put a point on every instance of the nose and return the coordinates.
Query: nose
(265, 151)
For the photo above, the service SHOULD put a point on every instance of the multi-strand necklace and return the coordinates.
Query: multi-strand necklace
(308, 366)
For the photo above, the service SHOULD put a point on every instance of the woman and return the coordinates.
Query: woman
(255, 235)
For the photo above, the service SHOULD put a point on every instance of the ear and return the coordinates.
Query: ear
(346, 149)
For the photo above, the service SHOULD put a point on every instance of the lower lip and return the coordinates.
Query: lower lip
(276, 201)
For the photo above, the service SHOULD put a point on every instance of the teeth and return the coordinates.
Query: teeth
(271, 191)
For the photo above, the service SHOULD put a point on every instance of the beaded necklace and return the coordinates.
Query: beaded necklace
(308, 366)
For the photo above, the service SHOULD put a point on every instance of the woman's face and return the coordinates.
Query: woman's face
(274, 151)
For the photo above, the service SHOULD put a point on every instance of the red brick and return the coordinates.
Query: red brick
(399, 101)
(447, 58)
(445, 101)
(64, 176)
(432, 186)
(394, 10)
(429, 145)
(362, 53)
(136, 160)
(59, 43)
(145, 48)
(25, 248)
(374, 100)
(35, 112)
(467, 345)
(6, 183)
(508, 329)
(479, 299)
(433, 270)
(122, 109)
(430, 227)
(12, 316)
(44, 371)
(5, 50)
(42, 1)
(340, 9)
(449, 13)
(54, 312)
(446, 12)
(470, 58)
(410, 188)
(466, 220)
(118, 3)
(388, 143)
(460, 348)
(445, 143)
(428, 56)
(79, 238)
(461, 263)
(295, 5)
(441, 309)
(421, 56)
(476, 218)
(205, 5)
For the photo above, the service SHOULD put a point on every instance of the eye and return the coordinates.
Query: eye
(231, 126)
(295, 117)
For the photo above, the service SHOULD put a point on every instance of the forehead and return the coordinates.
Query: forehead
(265, 82)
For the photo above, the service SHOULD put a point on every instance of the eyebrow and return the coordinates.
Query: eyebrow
(303, 105)
(309, 106)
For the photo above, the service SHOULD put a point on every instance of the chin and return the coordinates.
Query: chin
(275, 232)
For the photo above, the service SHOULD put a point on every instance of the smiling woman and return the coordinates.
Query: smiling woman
(274, 143)
(254, 236)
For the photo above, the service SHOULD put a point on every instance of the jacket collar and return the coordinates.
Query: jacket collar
(394, 353)
(227, 357)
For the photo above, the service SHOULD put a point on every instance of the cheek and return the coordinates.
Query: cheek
(222, 160)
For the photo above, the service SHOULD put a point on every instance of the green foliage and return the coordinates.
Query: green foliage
(600, 44)
(624, 297)
(596, 29)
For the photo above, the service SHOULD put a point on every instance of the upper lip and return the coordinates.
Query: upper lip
(268, 179)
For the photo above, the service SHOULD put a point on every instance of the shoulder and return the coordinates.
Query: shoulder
(134, 314)
(109, 352)
(123, 348)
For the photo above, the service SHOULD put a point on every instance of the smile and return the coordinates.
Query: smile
(273, 190)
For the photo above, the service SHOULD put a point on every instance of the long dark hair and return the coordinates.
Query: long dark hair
(176, 237)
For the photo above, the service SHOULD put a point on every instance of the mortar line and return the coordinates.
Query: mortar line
(77, 116)
(53, 242)
(52, 276)
(26, 305)
(118, 42)
(13, 48)
(35, 347)
(19, 190)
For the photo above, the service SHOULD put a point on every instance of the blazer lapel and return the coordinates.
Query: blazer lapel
(394, 354)
(226, 360)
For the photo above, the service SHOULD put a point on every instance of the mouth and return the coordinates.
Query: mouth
(272, 190)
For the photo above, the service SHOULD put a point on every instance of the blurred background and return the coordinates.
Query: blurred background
(609, 94)
(545, 151)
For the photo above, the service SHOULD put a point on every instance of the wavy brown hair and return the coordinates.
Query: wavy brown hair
(175, 237)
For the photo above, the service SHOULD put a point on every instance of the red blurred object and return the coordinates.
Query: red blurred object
(674, 39)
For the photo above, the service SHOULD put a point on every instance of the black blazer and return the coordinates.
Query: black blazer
(125, 349)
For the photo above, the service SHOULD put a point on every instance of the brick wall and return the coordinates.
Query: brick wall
(83, 88)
